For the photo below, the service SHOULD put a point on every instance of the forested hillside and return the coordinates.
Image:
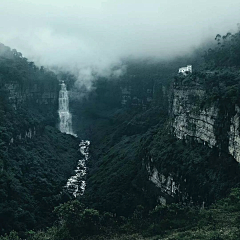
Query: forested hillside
(144, 181)
(125, 137)
(35, 158)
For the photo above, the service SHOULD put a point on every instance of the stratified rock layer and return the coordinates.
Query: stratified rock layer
(234, 136)
(189, 120)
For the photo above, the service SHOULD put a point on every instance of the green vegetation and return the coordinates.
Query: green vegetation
(123, 138)
(227, 52)
(16, 68)
(33, 174)
(35, 158)
(176, 222)
(127, 137)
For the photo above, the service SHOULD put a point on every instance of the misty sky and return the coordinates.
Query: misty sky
(95, 34)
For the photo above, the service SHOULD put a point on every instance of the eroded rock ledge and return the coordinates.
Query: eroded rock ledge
(191, 120)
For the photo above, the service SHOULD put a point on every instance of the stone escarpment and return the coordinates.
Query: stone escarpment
(25, 134)
(189, 120)
(167, 185)
(206, 124)
(204, 113)
(35, 95)
(33, 106)
(234, 135)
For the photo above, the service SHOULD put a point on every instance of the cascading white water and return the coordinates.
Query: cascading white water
(65, 116)
(76, 184)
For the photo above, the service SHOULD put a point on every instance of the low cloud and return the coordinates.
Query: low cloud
(89, 38)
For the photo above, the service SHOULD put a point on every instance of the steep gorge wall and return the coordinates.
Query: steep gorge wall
(34, 94)
(166, 184)
(32, 106)
(189, 120)
(234, 135)
(206, 124)
(172, 165)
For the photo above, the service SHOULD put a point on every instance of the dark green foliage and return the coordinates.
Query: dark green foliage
(15, 68)
(119, 197)
(76, 219)
(32, 178)
(216, 173)
(35, 158)
(113, 178)
(115, 132)
(173, 221)
(12, 236)
(123, 138)
(226, 53)
(117, 179)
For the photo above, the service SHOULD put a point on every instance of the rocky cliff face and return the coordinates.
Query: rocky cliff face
(33, 106)
(189, 120)
(234, 135)
(204, 123)
(34, 94)
(167, 185)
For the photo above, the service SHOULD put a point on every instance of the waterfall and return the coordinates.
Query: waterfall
(65, 116)
(76, 184)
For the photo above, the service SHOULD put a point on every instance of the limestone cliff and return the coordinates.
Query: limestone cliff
(167, 185)
(205, 123)
(34, 104)
(34, 94)
(234, 135)
(189, 120)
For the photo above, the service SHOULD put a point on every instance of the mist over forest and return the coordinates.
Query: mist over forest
(119, 120)
(92, 38)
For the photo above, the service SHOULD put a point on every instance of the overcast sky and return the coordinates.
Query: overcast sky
(96, 34)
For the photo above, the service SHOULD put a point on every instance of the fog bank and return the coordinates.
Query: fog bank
(91, 37)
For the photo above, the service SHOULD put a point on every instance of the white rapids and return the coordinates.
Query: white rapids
(76, 184)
